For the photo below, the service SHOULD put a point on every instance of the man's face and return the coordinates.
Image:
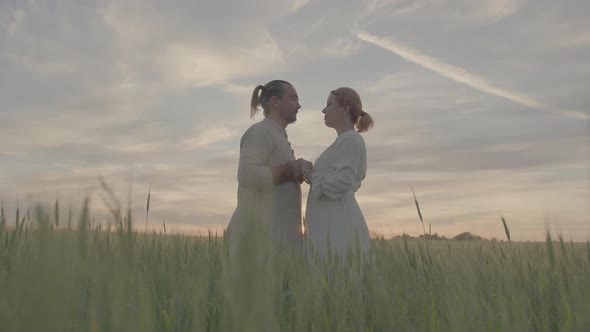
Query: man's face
(288, 104)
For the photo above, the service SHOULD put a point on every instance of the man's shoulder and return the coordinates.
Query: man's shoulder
(259, 127)
(257, 132)
(266, 127)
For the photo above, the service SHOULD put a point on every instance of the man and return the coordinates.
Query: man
(269, 176)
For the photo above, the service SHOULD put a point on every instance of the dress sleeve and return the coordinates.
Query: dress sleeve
(341, 176)
(253, 167)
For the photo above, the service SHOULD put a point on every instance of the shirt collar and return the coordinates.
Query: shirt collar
(274, 124)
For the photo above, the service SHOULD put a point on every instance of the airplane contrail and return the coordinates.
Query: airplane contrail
(461, 75)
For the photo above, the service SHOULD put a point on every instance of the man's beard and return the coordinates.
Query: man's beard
(291, 118)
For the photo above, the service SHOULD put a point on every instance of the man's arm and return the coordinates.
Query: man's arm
(290, 171)
(253, 170)
(255, 149)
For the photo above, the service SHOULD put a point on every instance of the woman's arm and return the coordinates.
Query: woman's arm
(341, 176)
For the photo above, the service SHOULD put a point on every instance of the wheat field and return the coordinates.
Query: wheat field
(76, 276)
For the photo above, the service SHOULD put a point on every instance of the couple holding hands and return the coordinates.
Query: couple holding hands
(270, 177)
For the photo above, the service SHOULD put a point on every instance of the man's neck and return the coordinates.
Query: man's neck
(276, 118)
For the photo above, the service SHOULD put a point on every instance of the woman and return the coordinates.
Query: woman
(333, 218)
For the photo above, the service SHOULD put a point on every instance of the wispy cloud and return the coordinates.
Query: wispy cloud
(208, 137)
(298, 4)
(461, 75)
(488, 11)
(458, 11)
(155, 95)
(10, 19)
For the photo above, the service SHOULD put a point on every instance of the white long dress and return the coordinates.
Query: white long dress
(333, 217)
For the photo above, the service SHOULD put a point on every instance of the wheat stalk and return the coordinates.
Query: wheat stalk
(148, 207)
(418, 209)
(506, 230)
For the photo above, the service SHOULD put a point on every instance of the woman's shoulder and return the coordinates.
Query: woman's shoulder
(352, 137)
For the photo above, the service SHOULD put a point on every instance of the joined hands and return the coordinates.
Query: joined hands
(306, 167)
(294, 170)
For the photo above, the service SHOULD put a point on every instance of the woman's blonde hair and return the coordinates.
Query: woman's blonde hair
(348, 97)
(262, 94)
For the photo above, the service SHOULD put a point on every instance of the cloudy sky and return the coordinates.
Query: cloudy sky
(482, 106)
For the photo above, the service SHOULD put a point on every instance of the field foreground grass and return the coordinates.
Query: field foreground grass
(85, 278)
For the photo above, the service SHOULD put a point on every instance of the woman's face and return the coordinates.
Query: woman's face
(334, 113)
